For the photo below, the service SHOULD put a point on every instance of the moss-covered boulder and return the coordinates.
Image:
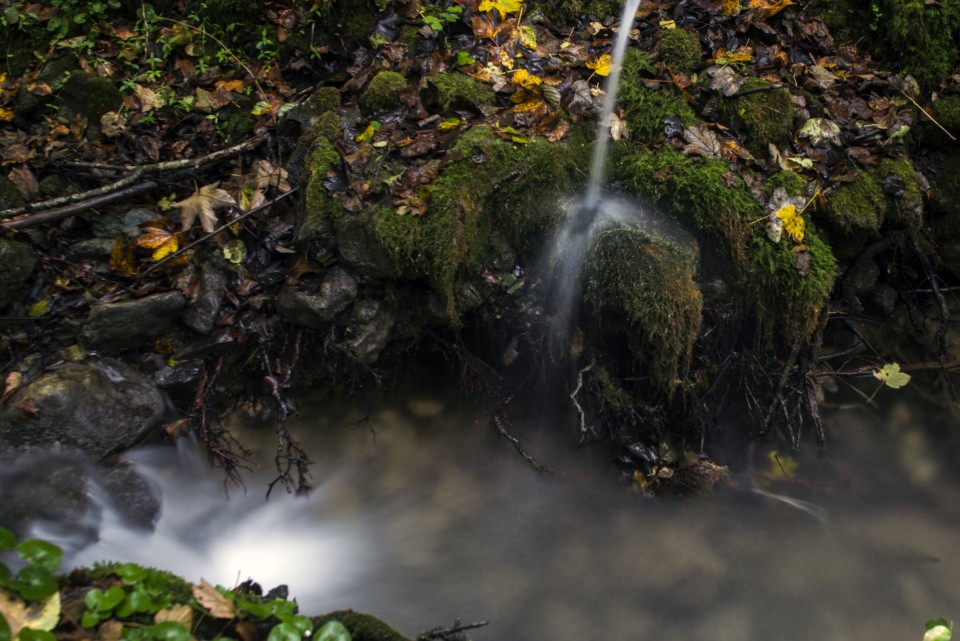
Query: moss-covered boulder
(383, 91)
(855, 212)
(16, 266)
(570, 11)
(648, 109)
(455, 88)
(10, 197)
(644, 278)
(763, 113)
(902, 183)
(680, 50)
(90, 96)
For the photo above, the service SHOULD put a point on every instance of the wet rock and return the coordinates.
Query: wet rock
(99, 407)
(90, 96)
(16, 266)
(359, 248)
(97, 249)
(44, 485)
(9, 195)
(201, 314)
(125, 224)
(215, 345)
(132, 496)
(314, 310)
(376, 320)
(180, 382)
(114, 327)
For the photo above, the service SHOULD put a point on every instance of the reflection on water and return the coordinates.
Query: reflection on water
(421, 520)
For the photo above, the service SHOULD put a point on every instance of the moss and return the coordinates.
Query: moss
(788, 302)
(792, 182)
(383, 91)
(646, 109)
(362, 627)
(495, 192)
(650, 281)
(908, 204)
(19, 45)
(855, 212)
(455, 87)
(765, 115)
(947, 113)
(680, 50)
(407, 36)
(319, 206)
(159, 581)
(570, 11)
(696, 191)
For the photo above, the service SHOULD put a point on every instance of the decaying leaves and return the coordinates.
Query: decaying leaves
(891, 376)
(36, 615)
(219, 606)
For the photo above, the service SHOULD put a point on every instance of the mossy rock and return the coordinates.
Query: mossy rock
(498, 194)
(16, 265)
(571, 11)
(383, 91)
(681, 50)
(786, 289)
(90, 95)
(792, 182)
(764, 115)
(362, 627)
(947, 113)
(649, 280)
(855, 213)
(647, 109)
(454, 87)
(696, 191)
(900, 179)
(19, 45)
(10, 197)
(319, 207)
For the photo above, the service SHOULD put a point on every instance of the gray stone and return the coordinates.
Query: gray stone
(315, 310)
(201, 314)
(98, 407)
(10, 197)
(359, 248)
(16, 266)
(46, 485)
(376, 320)
(92, 248)
(134, 499)
(113, 327)
(90, 96)
(125, 224)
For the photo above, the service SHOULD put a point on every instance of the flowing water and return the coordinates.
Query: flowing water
(423, 519)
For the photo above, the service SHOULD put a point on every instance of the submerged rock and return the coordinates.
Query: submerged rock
(316, 309)
(98, 407)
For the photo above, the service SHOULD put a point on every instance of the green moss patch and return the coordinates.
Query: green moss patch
(694, 190)
(649, 281)
(763, 114)
(454, 87)
(855, 212)
(383, 91)
(680, 50)
(647, 109)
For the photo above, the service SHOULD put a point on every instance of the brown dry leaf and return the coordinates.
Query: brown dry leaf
(110, 631)
(702, 141)
(112, 124)
(270, 175)
(37, 615)
(25, 182)
(236, 86)
(12, 384)
(149, 99)
(219, 606)
(178, 613)
(161, 241)
(204, 204)
(767, 8)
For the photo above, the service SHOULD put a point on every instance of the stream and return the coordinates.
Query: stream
(423, 514)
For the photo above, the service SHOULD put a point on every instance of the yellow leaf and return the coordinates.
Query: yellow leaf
(6, 115)
(528, 37)
(503, 7)
(668, 24)
(526, 79)
(369, 132)
(767, 8)
(40, 308)
(36, 615)
(449, 123)
(891, 376)
(219, 606)
(602, 65)
(235, 251)
(781, 466)
(724, 57)
(793, 222)
(731, 7)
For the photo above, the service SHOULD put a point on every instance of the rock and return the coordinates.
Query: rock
(315, 310)
(97, 249)
(98, 407)
(125, 224)
(90, 96)
(376, 320)
(16, 266)
(359, 248)
(201, 314)
(114, 327)
(132, 496)
(10, 196)
(180, 382)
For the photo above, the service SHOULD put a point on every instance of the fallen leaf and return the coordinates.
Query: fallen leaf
(6, 115)
(203, 204)
(161, 241)
(767, 8)
(36, 615)
(891, 376)
(149, 99)
(25, 181)
(219, 606)
(701, 140)
(821, 132)
(111, 630)
(12, 383)
(793, 222)
(503, 7)
(601, 66)
(178, 613)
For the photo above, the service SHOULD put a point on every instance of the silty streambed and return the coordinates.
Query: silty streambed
(421, 520)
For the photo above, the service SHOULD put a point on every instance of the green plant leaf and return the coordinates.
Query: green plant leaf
(4, 628)
(36, 583)
(7, 539)
(891, 376)
(938, 633)
(284, 632)
(333, 631)
(170, 631)
(29, 634)
(41, 554)
(302, 623)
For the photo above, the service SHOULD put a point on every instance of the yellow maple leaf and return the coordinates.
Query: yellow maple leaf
(526, 79)
(731, 7)
(6, 115)
(793, 222)
(767, 8)
(162, 242)
(503, 7)
(204, 204)
(602, 65)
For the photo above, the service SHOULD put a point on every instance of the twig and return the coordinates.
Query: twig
(105, 198)
(453, 633)
(573, 398)
(86, 198)
(501, 424)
